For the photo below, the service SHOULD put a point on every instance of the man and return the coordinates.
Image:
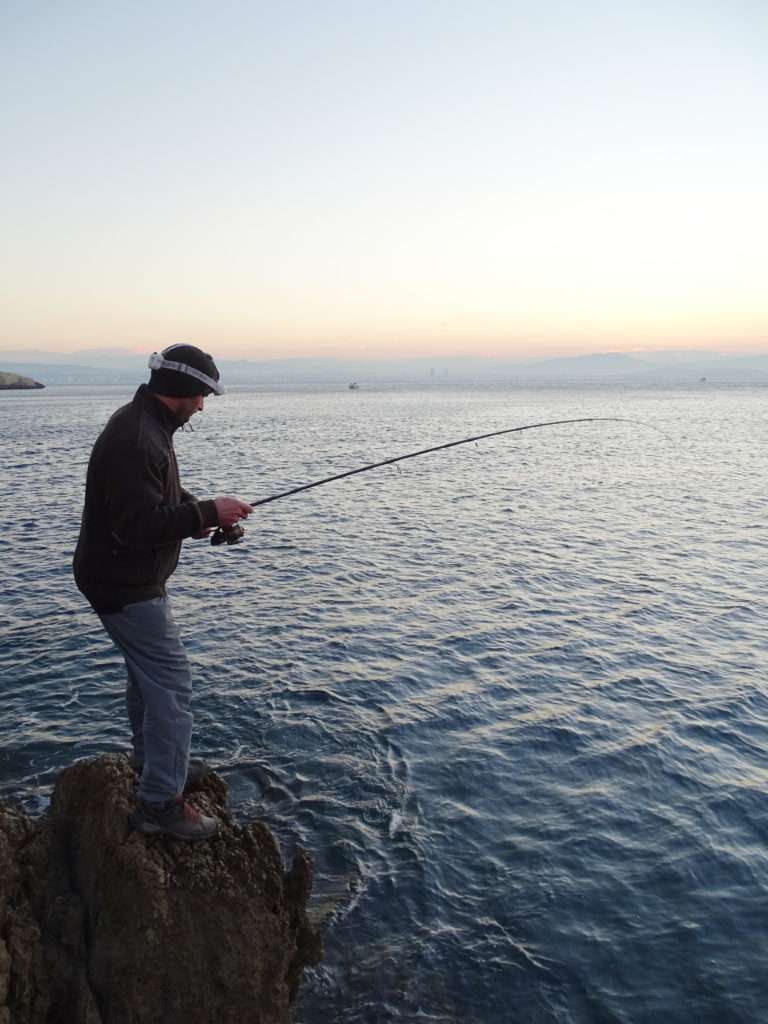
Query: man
(135, 517)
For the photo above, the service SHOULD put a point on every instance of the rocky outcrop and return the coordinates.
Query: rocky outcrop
(102, 925)
(9, 381)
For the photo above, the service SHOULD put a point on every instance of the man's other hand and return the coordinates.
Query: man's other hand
(230, 510)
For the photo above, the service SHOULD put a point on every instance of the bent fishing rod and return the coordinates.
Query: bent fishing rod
(234, 534)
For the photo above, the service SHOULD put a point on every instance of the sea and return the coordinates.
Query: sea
(511, 696)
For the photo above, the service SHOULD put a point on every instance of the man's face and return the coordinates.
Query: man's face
(187, 407)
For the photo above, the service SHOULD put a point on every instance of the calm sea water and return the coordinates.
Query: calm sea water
(513, 698)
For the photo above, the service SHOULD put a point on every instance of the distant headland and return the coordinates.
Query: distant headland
(10, 381)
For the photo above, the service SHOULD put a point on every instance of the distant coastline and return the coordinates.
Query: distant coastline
(122, 367)
(13, 381)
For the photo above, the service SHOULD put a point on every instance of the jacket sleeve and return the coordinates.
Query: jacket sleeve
(135, 499)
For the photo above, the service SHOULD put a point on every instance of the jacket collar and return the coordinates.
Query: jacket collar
(145, 399)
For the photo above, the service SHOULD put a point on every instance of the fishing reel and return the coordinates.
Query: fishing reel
(228, 535)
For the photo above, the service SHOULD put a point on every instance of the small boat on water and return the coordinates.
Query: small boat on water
(354, 386)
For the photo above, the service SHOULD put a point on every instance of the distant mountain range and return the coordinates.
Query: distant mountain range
(121, 366)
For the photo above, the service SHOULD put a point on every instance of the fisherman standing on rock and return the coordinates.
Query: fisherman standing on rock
(135, 517)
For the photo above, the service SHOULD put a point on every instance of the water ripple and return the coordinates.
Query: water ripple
(513, 698)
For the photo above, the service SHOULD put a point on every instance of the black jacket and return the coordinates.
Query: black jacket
(136, 512)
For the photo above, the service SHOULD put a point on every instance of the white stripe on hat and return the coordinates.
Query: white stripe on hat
(159, 362)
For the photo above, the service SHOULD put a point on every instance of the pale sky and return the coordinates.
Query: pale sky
(347, 178)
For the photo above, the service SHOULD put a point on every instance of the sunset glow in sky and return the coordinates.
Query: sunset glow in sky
(354, 178)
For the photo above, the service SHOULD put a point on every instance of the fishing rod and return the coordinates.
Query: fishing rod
(234, 534)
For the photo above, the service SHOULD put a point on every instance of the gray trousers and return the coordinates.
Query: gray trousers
(158, 695)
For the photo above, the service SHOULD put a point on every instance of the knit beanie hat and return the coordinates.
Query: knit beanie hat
(183, 371)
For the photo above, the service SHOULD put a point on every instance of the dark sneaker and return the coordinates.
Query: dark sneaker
(197, 768)
(175, 818)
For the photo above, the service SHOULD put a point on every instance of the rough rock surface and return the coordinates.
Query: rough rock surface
(102, 925)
